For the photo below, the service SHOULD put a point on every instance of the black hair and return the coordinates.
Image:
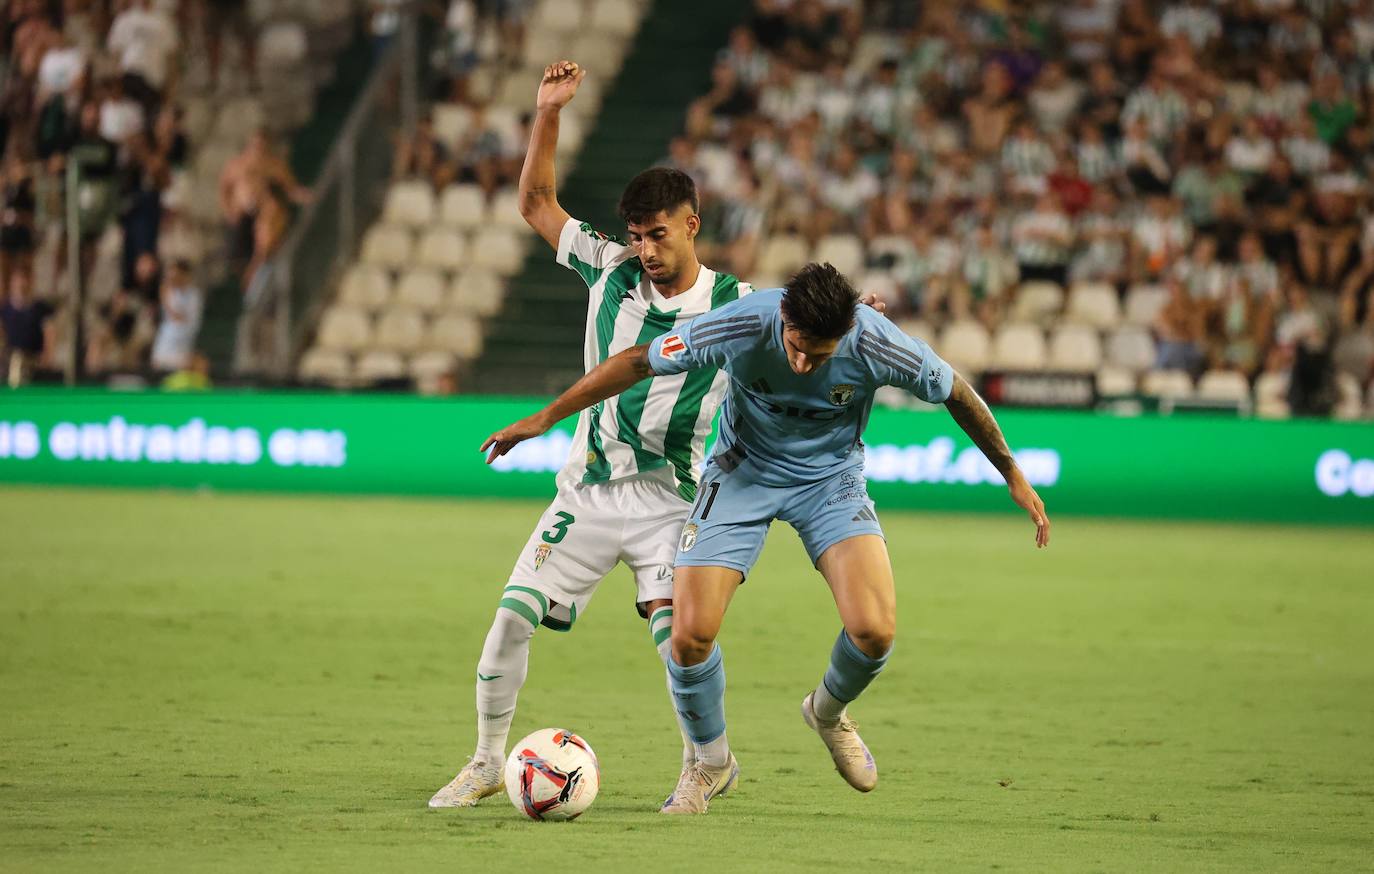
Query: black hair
(658, 189)
(820, 302)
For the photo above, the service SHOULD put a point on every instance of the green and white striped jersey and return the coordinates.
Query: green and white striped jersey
(658, 427)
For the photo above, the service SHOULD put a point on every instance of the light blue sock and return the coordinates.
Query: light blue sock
(849, 674)
(699, 693)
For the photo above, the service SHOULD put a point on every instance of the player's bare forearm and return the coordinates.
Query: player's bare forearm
(607, 379)
(538, 181)
(973, 416)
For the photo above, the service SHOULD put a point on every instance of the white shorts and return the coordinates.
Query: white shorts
(588, 529)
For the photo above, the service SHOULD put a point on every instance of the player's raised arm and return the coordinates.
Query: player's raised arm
(539, 205)
(973, 415)
(607, 379)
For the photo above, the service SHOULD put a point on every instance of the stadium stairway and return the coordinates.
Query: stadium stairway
(534, 346)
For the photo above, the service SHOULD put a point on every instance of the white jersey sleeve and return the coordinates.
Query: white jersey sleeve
(589, 252)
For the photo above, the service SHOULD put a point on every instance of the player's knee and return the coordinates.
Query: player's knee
(690, 646)
(873, 639)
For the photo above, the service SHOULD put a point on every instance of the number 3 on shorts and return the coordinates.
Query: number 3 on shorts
(560, 528)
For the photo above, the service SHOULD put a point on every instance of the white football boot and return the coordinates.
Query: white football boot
(698, 785)
(848, 750)
(476, 781)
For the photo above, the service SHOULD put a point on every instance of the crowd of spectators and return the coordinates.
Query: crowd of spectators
(1220, 150)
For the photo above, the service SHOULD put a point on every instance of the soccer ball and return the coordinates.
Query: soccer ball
(552, 775)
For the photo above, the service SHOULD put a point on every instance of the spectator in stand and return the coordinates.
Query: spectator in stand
(181, 307)
(1306, 152)
(728, 100)
(1251, 152)
(121, 117)
(1026, 159)
(144, 39)
(247, 197)
(1044, 240)
(1054, 99)
(1074, 192)
(1160, 106)
(991, 112)
(1180, 327)
(1158, 235)
(731, 226)
(1258, 273)
(146, 177)
(195, 376)
(17, 240)
(1200, 273)
(1194, 20)
(1239, 329)
(120, 338)
(1086, 26)
(484, 154)
(1102, 233)
(231, 17)
(27, 328)
(846, 187)
(988, 275)
(1145, 165)
(750, 63)
(423, 156)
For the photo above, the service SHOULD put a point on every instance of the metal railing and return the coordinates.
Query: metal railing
(289, 291)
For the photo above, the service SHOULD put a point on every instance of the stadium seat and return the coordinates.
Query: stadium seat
(426, 368)
(328, 366)
(451, 122)
(497, 249)
(1018, 347)
(477, 292)
(1224, 385)
(1093, 304)
(1349, 404)
(458, 334)
(1271, 396)
(572, 131)
(879, 283)
(606, 52)
(462, 206)
(1131, 348)
(560, 15)
(542, 46)
(504, 211)
(378, 365)
(1037, 302)
(1143, 303)
(387, 246)
(842, 250)
(409, 203)
(400, 330)
(1075, 349)
(443, 249)
(965, 345)
(618, 17)
(281, 46)
(366, 287)
(1354, 353)
(421, 289)
(1172, 384)
(1115, 382)
(344, 328)
(917, 328)
(782, 255)
(888, 251)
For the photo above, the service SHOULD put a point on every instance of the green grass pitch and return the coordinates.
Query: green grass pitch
(229, 682)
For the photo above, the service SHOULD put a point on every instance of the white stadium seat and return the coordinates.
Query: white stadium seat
(560, 15)
(842, 250)
(410, 202)
(380, 364)
(542, 47)
(1271, 396)
(400, 330)
(1174, 384)
(1075, 349)
(387, 246)
(783, 255)
(1018, 347)
(965, 345)
(462, 206)
(1131, 348)
(431, 364)
(504, 211)
(618, 17)
(1349, 404)
(917, 328)
(344, 328)
(325, 365)
(497, 249)
(1143, 303)
(457, 333)
(882, 284)
(1224, 385)
(1115, 382)
(571, 133)
(1093, 304)
(443, 249)
(421, 289)
(1037, 301)
(365, 286)
(451, 122)
(477, 292)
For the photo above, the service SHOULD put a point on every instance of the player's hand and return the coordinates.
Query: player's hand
(872, 300)
(504, 441)
(559, 85)
(1026, 498)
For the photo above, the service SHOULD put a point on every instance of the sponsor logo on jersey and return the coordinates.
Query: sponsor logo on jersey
(689, 536)
(841, 394)
(541, 552)
(672, 347)
(664, 572)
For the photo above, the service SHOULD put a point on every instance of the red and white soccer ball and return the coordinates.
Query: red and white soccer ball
(552, 775)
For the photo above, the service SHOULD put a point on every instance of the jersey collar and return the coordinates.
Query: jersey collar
(701, 289)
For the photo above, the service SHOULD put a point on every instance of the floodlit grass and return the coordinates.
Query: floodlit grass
(271, 683)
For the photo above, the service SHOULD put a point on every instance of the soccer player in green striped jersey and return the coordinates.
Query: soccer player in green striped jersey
(631, 475)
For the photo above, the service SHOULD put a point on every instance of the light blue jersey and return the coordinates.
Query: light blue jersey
(790, 445)
(785, 428)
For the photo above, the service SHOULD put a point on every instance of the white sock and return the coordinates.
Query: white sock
(505, 661)
(715, 754)
(661, 628)
(827, 707)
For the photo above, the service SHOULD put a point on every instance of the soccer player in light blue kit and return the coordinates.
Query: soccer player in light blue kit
(804, 363)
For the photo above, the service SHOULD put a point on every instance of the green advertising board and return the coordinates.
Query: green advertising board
(1082, 463)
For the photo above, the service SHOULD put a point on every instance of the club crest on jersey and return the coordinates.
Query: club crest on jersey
(541, 552)
(841, 394)
(672, 347)
(689, 537)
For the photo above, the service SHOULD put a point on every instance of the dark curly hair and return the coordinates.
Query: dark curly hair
(819, 302)
(658, 189)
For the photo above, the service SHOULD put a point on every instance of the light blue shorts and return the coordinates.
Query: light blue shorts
(732, 513)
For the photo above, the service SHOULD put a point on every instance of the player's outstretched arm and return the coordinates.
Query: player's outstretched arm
(539, 205)
(607, 379)
(973, 415)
